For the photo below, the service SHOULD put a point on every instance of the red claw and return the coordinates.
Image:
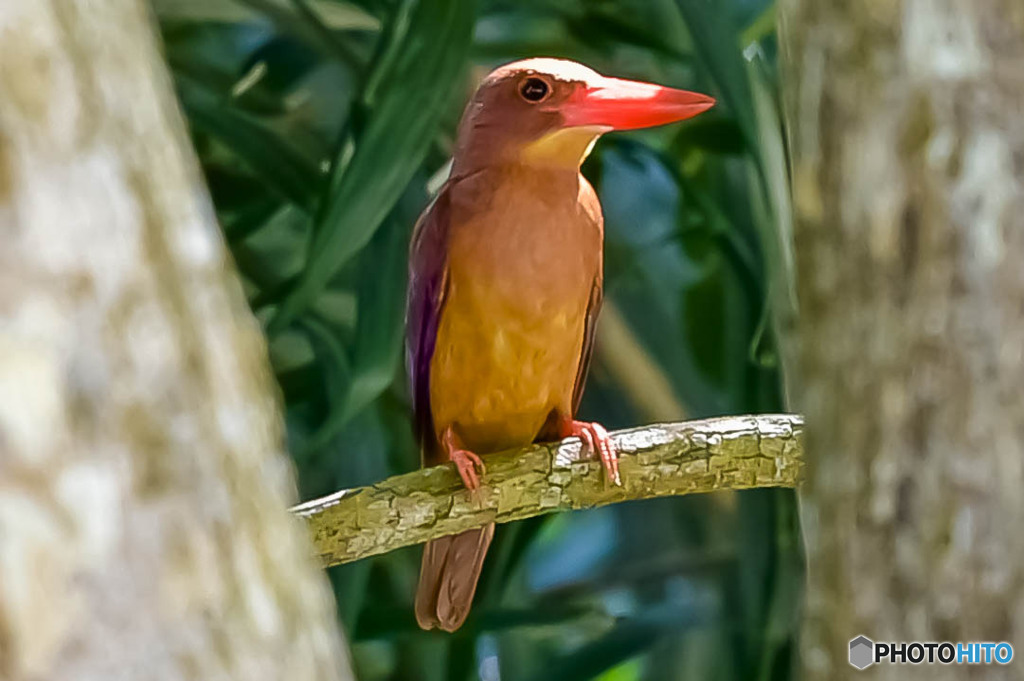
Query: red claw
(596, 440)
(469, 465)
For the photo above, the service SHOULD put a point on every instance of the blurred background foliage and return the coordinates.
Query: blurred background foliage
(324, 126)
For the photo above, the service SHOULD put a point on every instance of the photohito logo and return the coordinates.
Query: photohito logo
(864, 652)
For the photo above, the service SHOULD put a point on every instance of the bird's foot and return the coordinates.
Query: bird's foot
(469, 465)
(598, 442)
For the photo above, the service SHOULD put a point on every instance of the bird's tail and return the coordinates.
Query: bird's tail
(448, 576)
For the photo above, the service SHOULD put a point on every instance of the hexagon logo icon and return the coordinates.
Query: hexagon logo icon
(862, 652)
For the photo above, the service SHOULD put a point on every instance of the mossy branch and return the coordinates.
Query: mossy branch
(656, 461)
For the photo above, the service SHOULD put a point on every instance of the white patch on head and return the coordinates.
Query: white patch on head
(560, 69)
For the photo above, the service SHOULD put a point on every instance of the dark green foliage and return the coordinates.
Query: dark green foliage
(323, 127)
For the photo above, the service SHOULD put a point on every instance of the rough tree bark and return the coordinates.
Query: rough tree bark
(726, 453)
(908, 167)
(143, 486)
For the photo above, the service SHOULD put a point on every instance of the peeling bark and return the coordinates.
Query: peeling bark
(143, 486)
(908, 170)
(682, 458)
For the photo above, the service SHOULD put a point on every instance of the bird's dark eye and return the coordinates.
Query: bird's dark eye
(534, 89)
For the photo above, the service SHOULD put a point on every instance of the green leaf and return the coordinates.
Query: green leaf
(282, 167)
(710, 132)
(276, 248)
(303, 22)
(337, 375)
(380, 335)
(377, 347)
(421, 68)
(629, 670)
(246, 221)
(383, 622)
(335, 13)
(233, 188)
(624, 641)
(761, 27)
(300, 384)
(704, 318)
(602, 25)
(188, 62)
(770, 571)
(255, 266)
(717, 46)
(772, 209)
(505, 555)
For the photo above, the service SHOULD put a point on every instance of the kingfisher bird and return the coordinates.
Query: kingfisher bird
(505, 285)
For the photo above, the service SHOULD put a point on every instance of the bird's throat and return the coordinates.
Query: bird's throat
(565, 148)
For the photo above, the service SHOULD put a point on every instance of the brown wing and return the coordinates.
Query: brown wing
(587, 351)
(592, 206)
(451, 565)
(428, 268)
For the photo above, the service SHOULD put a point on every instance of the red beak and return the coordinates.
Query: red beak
(628, 104)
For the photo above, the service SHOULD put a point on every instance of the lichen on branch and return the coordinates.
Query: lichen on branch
(728, 453)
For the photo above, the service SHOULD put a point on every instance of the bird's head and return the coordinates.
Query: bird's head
(551, 111)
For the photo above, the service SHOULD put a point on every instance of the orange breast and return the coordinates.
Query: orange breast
(521, 268)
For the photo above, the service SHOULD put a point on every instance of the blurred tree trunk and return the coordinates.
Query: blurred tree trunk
(908, 167)
(143, 486)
